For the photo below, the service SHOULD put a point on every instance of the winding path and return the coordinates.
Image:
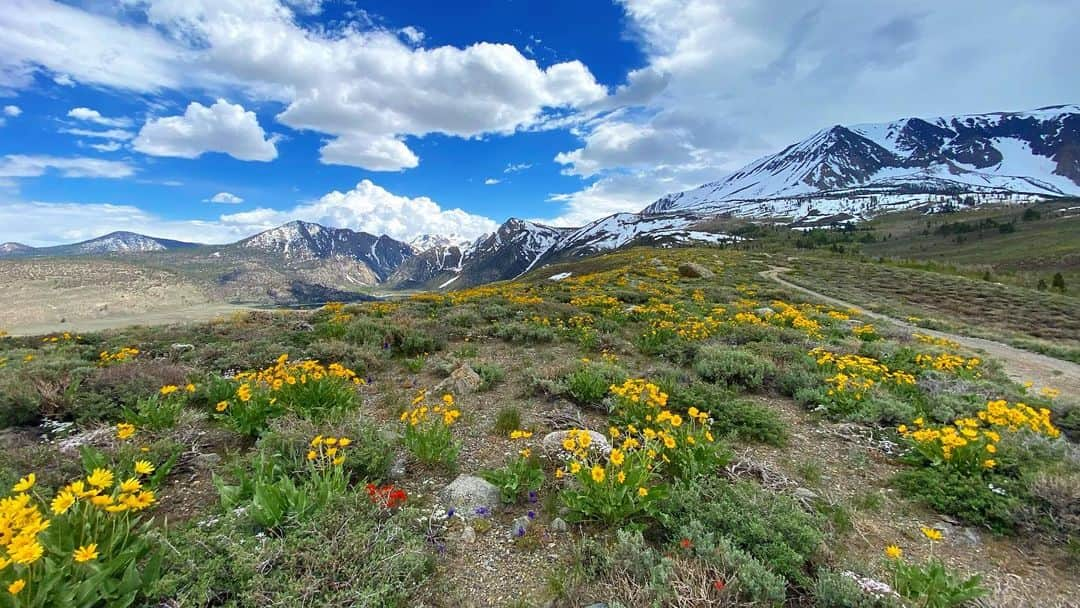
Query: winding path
(1020, 365)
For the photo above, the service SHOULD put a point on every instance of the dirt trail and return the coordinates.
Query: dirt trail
(1020, 365)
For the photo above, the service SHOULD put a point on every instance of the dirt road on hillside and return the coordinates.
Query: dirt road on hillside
(1020, 365)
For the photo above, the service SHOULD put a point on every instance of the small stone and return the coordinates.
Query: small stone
(468, 535)
(764, 311)
(519, 527)
(805, 494)
(397, 469)
(552, 442)
(559, 526)
(695, 271)
(208, 460)
(182, 347)
(468, 493)
(461, 381)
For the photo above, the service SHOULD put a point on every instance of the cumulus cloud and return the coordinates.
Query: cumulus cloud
(374, 153)
(94, 116)
(222, 127)
(12, 111)
(373, 209)
(727, 82)
(349, 83)
(224, 198)
(491, 181)
(23, 165)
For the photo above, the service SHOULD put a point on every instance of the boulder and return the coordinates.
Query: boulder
(559, 526)
(552, 442)
(467, 493)
(461, 381)
(695, 271)
(764, 311)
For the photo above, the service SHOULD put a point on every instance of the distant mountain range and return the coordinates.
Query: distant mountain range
(836, 175)
(858, 171)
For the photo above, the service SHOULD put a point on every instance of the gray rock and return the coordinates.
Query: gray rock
(466, 493)
(461, 381)
(519, 526)
(397, 469)
(695, 271)
(764, 311)
(182, 347)
(209, 459)
(805, 494)
(468, 535)
(559, 526)
(552, 442)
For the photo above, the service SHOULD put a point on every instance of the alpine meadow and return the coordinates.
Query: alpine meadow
(618, 304)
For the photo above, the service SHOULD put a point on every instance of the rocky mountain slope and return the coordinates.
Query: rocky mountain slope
(113, 243)
(866, 169)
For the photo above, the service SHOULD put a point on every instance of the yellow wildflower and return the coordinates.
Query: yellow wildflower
(124, 430)
(86, 553)
(25, 483)
(100, 478)
(643, 492)
(17, 586)
(893, 552)
(931, 533)
(143, 467)
(597, 473)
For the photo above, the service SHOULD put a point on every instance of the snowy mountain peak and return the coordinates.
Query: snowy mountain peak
(299, 241)
(868, 168)
(427, 241)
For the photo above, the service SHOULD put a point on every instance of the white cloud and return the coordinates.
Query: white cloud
(491, 181)
(367, 207)
(109, 146)
(94, 116)
(46, 223)
(374, 153)
(412, 35)
(12, 111)
(222, 127)
(114, 134)
(225, 198)
(70, 44)
(514, 168)
(727, 82)
(373, 209)
(22, 165)
(345, 82)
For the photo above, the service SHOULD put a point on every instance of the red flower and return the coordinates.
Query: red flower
(685, 543)
(718, 585)
(386, 497)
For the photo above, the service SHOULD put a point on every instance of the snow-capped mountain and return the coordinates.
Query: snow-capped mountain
(426, 241)
(871, 168)
(519, 246)
(14, 248)
(113, 243)
(299, 242)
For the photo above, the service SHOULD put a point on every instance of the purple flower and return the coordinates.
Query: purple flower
(532, 496)
(531, 514)
(482, 511)
(521, 531)
(450, 512)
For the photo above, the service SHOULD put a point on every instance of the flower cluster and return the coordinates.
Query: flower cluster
(120, 355)
(64, 337)
(421, 412)
(83, 511)
(948, 362)
(972, 442)
(935, 341)
(856, 375)
(327, 451)
(283, 374)
(386, 497)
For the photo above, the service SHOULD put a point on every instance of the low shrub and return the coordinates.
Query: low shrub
(490, 375)
(350, 553)
(733, 367)
(740, 418)
(772, 528)
(588, 384)
(507, 421)
(520, 476)
(528, 333)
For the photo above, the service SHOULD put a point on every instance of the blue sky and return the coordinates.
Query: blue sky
(427, 117)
